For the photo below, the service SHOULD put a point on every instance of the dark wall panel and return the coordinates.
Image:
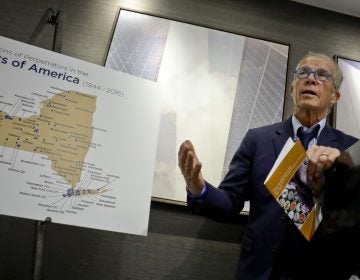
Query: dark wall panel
(16, 247)
(179, 246)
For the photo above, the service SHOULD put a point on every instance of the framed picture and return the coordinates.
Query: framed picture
(346, 116)
(214, 84)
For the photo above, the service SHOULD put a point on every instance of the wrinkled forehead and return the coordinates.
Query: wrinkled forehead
(316, 63)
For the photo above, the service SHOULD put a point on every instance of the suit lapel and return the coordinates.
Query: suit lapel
(327, 138)
(282, 134)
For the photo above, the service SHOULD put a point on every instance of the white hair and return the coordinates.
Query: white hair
(336, 75)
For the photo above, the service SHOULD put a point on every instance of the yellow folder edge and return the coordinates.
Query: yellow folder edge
(286, 169)
(308, 228)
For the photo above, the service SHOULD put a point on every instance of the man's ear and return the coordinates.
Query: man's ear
(335, 97)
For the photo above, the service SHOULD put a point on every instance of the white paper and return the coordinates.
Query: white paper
(284, 151)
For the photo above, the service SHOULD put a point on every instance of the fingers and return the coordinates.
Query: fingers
(189, 164)
(320, 159)
(186, 150)
(190, 167)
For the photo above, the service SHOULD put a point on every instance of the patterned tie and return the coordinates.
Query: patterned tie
(305, 137)
(304, 190)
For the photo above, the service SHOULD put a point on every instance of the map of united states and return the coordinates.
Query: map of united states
(62, 131)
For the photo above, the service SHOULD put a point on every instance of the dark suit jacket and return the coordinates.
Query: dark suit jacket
(245, 181)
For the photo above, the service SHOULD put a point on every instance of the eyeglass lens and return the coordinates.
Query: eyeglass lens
(320, 73)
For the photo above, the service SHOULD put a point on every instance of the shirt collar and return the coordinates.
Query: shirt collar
(296, 124)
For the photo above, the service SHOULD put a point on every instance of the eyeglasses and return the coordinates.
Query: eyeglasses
(320, 74)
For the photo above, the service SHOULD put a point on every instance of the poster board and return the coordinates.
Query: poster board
(72, 140)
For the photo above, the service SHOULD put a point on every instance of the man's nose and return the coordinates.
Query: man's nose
(311, 78)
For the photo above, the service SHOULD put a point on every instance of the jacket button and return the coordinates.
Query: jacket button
(283, 217)
(274, 249)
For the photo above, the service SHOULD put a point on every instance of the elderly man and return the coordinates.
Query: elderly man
(272, 247)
